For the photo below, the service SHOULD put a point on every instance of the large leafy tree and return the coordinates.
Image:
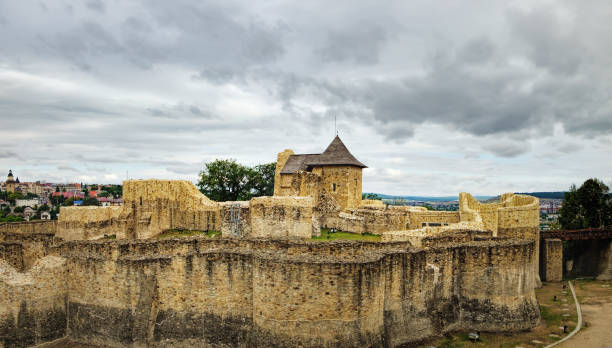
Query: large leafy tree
(227, 180)
(587, 206)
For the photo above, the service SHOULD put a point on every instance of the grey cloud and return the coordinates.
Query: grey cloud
(9, 154)
(507, 149)
(95, 5)
(360, 44)
(549, 46)
(67, 168)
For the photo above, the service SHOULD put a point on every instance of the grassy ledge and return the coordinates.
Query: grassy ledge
(326, 234)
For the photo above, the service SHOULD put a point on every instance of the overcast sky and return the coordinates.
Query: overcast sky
(435, 97)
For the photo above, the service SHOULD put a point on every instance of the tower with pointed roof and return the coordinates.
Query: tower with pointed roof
(335, 171)
(10, 182)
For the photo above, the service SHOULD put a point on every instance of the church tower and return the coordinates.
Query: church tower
(10, 182)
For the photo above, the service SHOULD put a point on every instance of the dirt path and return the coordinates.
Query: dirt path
(597, 313)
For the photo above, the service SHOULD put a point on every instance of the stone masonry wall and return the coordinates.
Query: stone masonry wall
(283, 217)
(150, 207)
(27, 227)
(255, 293)
(90, 222)
(552, 258)
(33, 304)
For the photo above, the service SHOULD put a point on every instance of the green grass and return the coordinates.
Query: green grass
(188, 233)
(341, 235)
(551, 319)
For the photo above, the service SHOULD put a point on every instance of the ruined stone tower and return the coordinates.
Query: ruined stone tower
(335, 172)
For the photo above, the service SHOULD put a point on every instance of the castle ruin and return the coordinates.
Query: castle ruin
(264, 282)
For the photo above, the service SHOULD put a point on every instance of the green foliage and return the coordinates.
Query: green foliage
(43, 207)
(12, 218)
(69, 202)
(261, 179)
(30, 195)
(14, 196)
(90, 201)
(228, 180)
(428, 207)
(587, 206)
(19, 210)
(115, 191)
(370, 196)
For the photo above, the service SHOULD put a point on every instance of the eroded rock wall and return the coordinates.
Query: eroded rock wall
(241, 292)
(33, 304)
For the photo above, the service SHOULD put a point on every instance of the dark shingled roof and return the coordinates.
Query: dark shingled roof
(336, 154)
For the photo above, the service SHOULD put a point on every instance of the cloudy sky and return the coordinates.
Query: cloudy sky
(435, 97)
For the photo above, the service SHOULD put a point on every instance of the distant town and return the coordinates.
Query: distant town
(40, 200)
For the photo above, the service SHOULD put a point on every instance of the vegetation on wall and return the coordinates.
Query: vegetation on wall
(227, 180)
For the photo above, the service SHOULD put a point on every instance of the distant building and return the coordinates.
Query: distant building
(9, 186)
(26, 202)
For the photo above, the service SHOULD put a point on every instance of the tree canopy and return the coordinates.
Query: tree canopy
(587, 206)
(227, 180)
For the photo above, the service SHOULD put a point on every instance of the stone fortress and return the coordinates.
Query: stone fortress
(264, 282)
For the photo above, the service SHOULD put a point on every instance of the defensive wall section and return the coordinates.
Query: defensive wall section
(242, 292)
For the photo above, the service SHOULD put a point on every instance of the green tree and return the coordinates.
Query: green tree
(90, 201)
(227, 180)
(261, 180)
(587, 206)
(370, 196)
(224, 180)
(19, 210)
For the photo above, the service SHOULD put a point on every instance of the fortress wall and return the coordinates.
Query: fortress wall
(91, 222)
(160, 205)
(283, 217)
(350, 223)
(417, 218)
(245, 218)
(245, 292)
(27, 227)
(12, 253)
(32, 304)
(321, 304)
(464, 287)
(34, 246)
(377, 203)
(377, 221)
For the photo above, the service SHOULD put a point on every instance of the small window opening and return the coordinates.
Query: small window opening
(140, 200)
(333, 187)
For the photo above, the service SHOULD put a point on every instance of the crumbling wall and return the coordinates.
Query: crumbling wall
(32, 304)
(90, 222)
(377, 220)
(243, 226)
(283, 217)
(255, 293)
(12, 253)
(160, 205)
(27, 227)
(34, 246)
(150, 208)
(419, 219)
